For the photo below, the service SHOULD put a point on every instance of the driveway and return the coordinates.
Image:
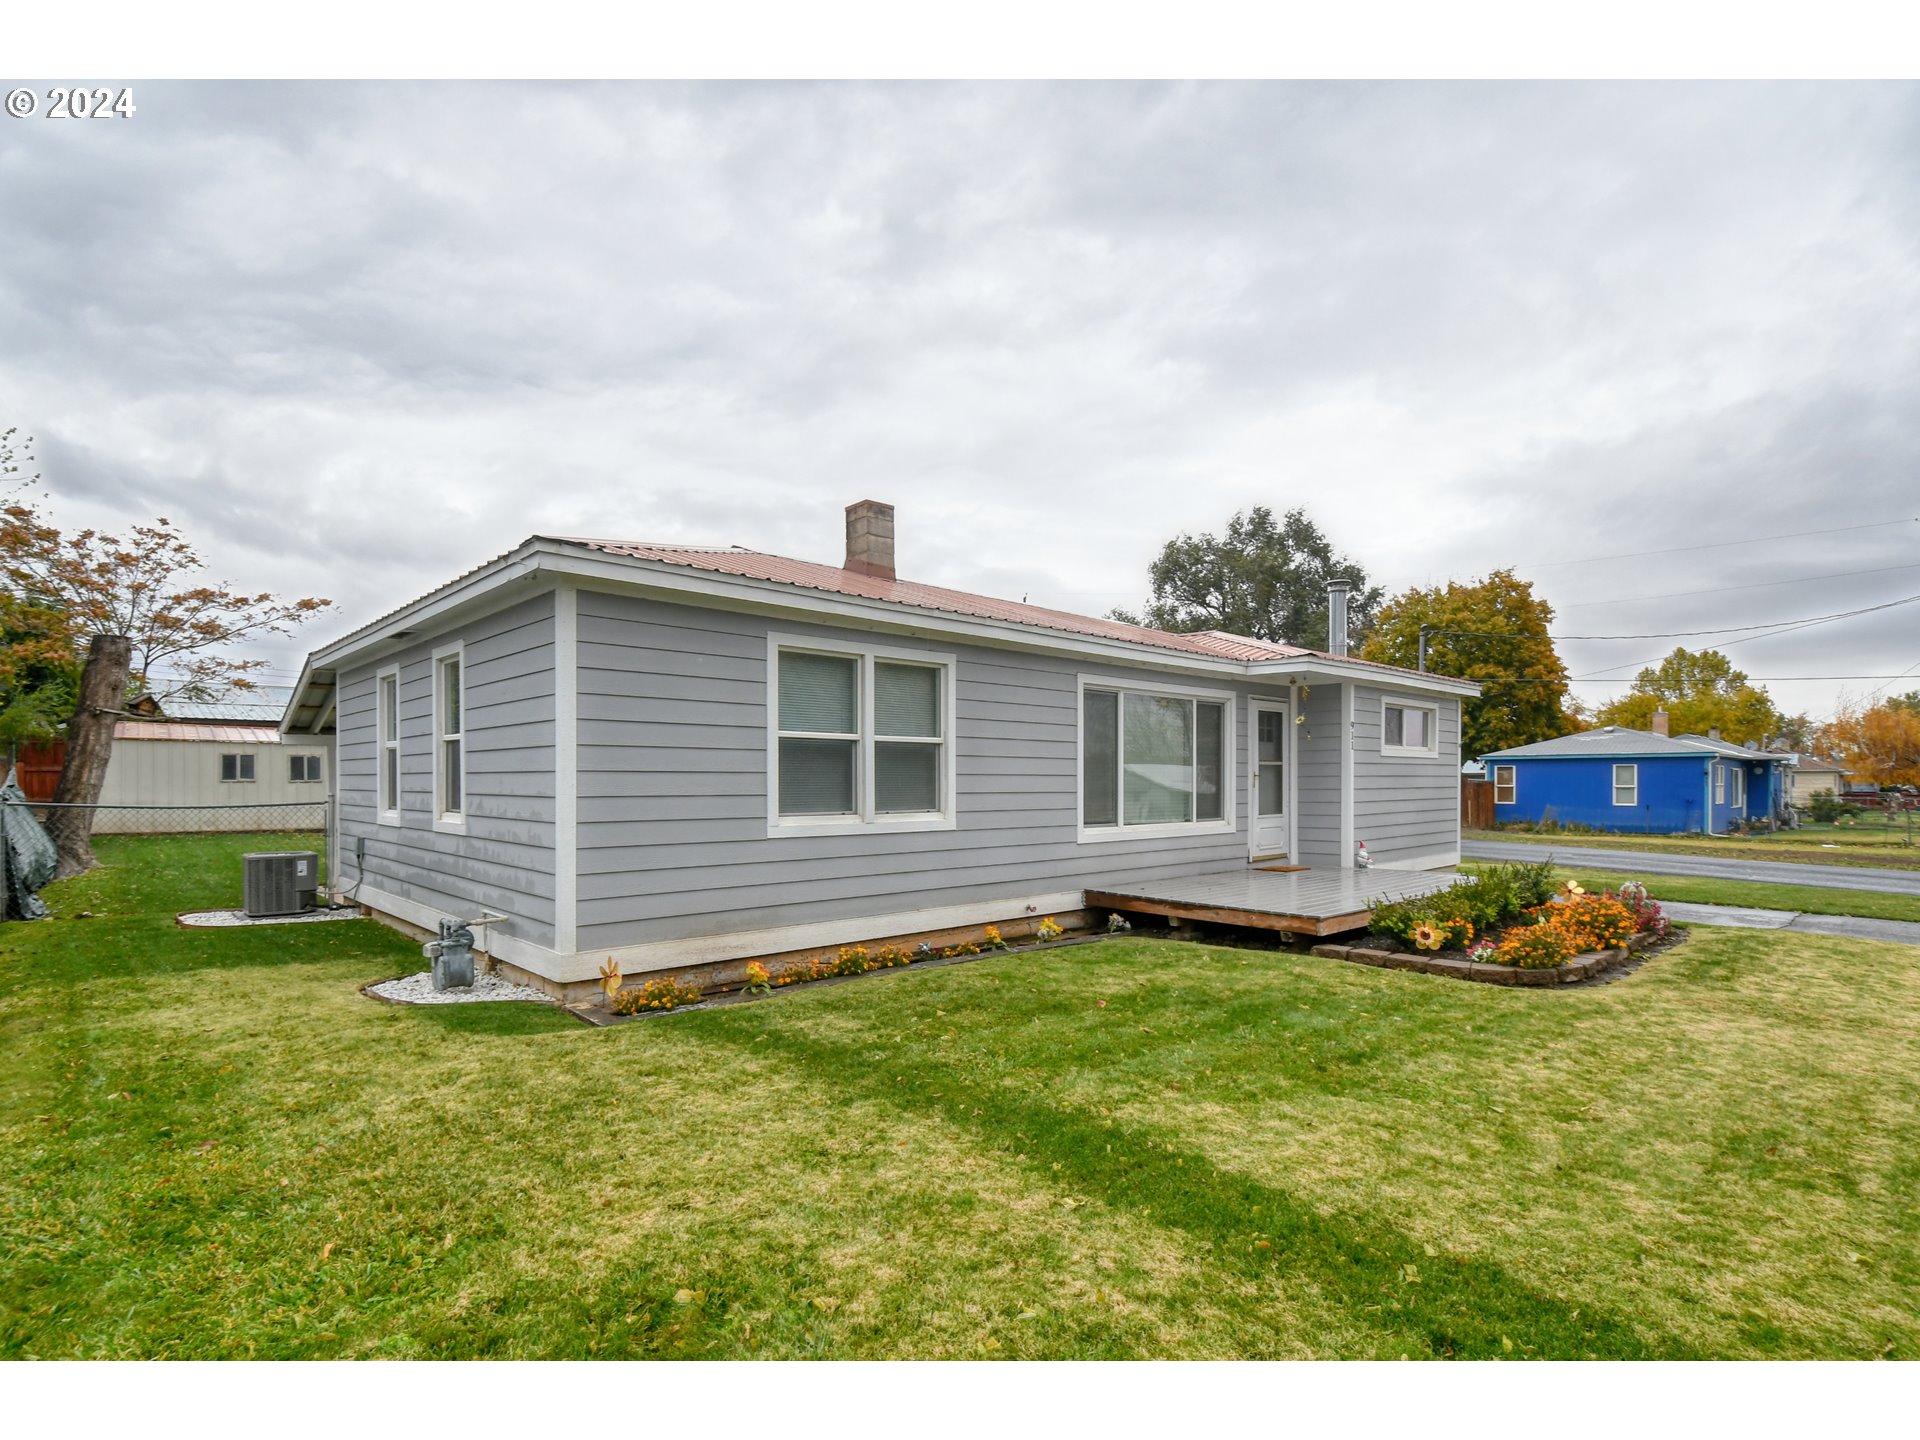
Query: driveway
(1707, 867)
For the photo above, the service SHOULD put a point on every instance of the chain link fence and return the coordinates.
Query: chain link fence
(292, 817)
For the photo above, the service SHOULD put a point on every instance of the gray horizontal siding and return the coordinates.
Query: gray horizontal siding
(673, 788)
(505, 860)
(1317, 775)
(1405, 808)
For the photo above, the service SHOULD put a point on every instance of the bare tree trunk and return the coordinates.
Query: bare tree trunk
(103, 690)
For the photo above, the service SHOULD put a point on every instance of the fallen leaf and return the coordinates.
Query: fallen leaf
(1506, 1344)
(326, 1250)
(683, 1297)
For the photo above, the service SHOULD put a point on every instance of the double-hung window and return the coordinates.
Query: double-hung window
(1719, 784)
(1151, 759)
(1626, 784)
(1739, 776)
(449, 739)
(387, 722)
(861, 737)
(1506, 788)
(1409, 729)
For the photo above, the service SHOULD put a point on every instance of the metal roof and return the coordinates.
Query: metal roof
(265, 710)
(1618, 740)
(264, 734)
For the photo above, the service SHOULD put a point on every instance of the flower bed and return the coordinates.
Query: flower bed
(666, 993)
(1512, 927)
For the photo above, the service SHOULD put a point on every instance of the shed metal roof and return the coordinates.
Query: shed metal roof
(260, 734)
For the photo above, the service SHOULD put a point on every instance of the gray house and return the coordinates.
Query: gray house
(679, 756)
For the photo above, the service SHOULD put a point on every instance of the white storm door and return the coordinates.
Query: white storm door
(1272, 825)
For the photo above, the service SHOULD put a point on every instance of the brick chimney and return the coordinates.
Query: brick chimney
(870, 539)
(1659, 722)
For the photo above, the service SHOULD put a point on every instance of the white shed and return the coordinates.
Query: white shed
(206, 769)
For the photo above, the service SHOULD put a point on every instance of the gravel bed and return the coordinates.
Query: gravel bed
(214, 919)
(418, 990)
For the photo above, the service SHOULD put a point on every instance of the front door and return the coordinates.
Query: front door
(1272, 827)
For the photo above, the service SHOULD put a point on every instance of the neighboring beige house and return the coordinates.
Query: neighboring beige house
(1809, 775)
(204, 767)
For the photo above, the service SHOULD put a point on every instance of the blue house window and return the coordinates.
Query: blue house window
(1504, 786)
(1626, 784)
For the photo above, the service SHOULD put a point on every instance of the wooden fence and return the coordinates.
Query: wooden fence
(38, 769)
(1476, 803)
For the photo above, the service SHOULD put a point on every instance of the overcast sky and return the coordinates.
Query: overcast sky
(358, 338)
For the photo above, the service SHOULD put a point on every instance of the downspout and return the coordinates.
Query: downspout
(1706, 813)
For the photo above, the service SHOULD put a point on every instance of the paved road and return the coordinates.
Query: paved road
(1710, 867)
(1901, 932)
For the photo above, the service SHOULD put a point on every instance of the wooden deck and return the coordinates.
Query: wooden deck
(1306, 902)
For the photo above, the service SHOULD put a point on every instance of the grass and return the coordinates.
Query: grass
(215, 1146)
(1872, 844)
(1759, 894)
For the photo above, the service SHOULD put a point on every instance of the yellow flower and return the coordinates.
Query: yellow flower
(1574, 887)
(1426, 935)
(610, 975)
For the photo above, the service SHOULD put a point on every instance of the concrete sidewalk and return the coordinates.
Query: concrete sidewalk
(1900, 932)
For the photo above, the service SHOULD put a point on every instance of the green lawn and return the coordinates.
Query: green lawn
(217, 1147)
(1871, 844)
(1700, 890)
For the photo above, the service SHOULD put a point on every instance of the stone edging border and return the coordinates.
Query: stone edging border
(1456, 967)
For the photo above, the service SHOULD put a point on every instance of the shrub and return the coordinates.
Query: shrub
(1534, 884)
(663, 993)
(1430, 922)
(1493, 898)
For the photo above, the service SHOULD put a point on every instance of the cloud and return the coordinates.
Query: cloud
(357, 338)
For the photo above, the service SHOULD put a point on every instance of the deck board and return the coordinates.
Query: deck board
(1311, 902)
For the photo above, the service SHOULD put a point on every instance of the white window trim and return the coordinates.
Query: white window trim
(1719, 783)
(1513, 784)
(864, 821)
(1430, 751)
(383, 815)
(238, 779)
(456, 822)
(1228, 822)
(1738, 793)
(1634, 803)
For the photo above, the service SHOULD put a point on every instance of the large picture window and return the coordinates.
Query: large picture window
(1149, 758)
(861, 738)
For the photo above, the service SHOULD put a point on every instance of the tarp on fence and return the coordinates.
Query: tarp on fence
(27, 855)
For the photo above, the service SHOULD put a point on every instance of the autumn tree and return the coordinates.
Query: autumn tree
(133, 605)
(1265, 578)
(1879, 742)
(1493, 631)
(1700, 691)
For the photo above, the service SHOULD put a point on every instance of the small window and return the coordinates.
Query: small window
(1626, 784)
(303, 769)
(1739, 785)
(1408, 729)
(1505, 784)
(236, 767)
(389, 723)
(1719, 784)
(450, 767)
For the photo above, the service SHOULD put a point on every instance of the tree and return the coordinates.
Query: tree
(1796, 733)
(1700, 691)
(1484, 631)
(132, 605)
(1909, 701)
(1880, 743)
(1263, 578)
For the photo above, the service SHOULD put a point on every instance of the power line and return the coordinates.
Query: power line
(1728, 589)
(1718, 544)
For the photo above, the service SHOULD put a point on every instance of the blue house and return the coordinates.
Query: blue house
(1637, 780)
